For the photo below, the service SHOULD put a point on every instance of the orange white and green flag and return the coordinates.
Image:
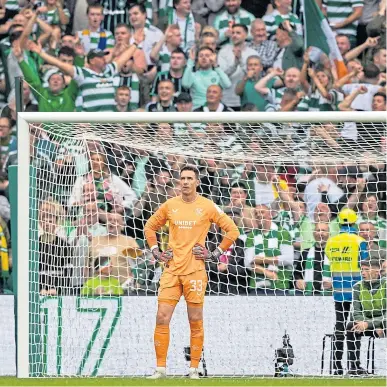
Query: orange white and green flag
(319, 34)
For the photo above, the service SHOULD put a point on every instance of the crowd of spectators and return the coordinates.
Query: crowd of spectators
(202, 56)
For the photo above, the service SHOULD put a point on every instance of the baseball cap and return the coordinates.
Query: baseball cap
(96, 53)
(183, 97)
(350, 170)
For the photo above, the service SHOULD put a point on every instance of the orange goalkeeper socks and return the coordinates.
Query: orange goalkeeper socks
(161, 341)
(197, 339)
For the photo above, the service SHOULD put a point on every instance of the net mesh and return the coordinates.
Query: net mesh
(284, 186)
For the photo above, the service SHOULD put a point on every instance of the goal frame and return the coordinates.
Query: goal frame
(27, 206)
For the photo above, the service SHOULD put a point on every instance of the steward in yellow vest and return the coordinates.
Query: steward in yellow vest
(344, 252)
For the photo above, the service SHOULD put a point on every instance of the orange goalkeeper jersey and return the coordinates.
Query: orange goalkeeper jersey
(189, 224)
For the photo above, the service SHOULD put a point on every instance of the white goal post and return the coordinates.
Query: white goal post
(122, 129)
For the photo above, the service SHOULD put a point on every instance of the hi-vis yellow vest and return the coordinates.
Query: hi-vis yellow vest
(343, 251)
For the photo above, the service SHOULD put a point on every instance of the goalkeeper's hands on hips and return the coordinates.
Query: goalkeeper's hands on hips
(164, 257)
(200, 252)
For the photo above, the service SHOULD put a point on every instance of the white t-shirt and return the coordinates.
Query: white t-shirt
(264, 193)
(312, 197)
(152, 36)
(362, 101)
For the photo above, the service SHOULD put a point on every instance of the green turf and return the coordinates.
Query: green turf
(6, 381)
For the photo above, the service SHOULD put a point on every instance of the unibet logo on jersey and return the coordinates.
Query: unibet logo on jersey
(187, 224)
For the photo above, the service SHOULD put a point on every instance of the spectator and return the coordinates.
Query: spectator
(154, 195)
(8, 142)
(54, 271)
(377, 26)
(370, 213)
(205, 11)
(267, 87)
(343, 44)
(207, 73)
(246, 87)
(97, 82)
(281, 13)
(123, 250)
(266, 50)
(213, 101)
(289, 102)
(352, 184)
(312, 273)
(369, 44)
(94, 36)
(232, 59)
(369, 312)
(165, 95)
(268, 262)
(288, 213)
(182, 16)
(322, 214)
(343, 18)
(88, 223)
(111, 190)
(104, 283)
(58, 17)
(145, 36)
(371, 78)
(261, 189)
(57, 97)
(238, 206)
(18, 36)
(122, 36)
(233, 14)
(130, 71)
(116, 14)
(291, 47)
(327, 177)
(323, 96)
(174, 74)
(162, 51)
(207, 39)
(184, 103)
(380, 58)
(229, 276)
(368, 232)
(362, 134)
(221, 191)
(355, 73)
(66, 55)
(122, 99)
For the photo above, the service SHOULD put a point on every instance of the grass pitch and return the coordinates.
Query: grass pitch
(77, 382)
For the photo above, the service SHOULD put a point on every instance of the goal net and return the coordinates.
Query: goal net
(87, 282)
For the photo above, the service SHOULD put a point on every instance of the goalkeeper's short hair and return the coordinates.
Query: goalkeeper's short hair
(190, 168)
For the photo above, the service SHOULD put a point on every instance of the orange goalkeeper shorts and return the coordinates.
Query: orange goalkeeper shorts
(192, 286)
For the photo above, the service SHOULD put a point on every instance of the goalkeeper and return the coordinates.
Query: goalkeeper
(190, 217)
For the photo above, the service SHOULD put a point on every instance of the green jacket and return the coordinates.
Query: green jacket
(369, 302)
(49, 102)
(293, 55)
